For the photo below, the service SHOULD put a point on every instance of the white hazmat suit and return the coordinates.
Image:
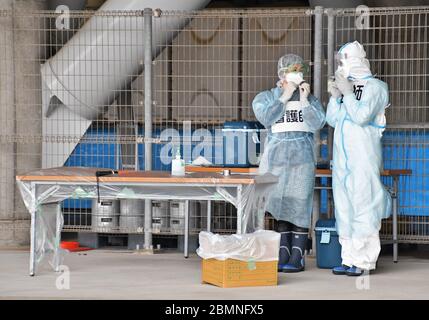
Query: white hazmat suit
(356, 111)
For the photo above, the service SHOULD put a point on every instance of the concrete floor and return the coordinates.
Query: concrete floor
(102, 274)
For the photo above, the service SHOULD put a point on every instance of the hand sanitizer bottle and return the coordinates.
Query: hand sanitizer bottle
(178, 165)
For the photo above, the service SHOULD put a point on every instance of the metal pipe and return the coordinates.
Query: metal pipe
(331, 64)
(59, 225)
(317, 91)
(331, 69)
(186, 242)
(317, 73)
(147, 16)
(331, 40)
(240, 227)
(33, 235)
(395, 218)
(209, 215)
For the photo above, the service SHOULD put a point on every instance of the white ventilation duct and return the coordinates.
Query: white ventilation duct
(90, 70)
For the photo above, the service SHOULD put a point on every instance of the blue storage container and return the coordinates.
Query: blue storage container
(157, 150)
(406, 149)
(324, 181)
(238, 136)
(402, 149)
(98, 149)
(328, 248)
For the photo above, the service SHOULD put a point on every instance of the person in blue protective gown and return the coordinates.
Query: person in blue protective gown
(356, 110)
(292, 115)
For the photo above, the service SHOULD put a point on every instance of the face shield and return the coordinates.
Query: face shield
(351, 61)
(295, 68)
(341, 64)
(340, 58)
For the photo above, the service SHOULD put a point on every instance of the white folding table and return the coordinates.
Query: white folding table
(51, 186)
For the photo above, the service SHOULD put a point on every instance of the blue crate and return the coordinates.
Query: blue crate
(408, 150)
(92, 154)
(324, 154)
(402, 150)
(157, 163)
(89, 154)
(236, 136)
(104, 155)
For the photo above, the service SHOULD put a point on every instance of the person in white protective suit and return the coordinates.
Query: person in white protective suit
(291, 115)
(356, 111)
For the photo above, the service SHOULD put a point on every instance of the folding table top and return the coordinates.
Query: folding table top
(84, 174)
(254, 170)
(194, 174)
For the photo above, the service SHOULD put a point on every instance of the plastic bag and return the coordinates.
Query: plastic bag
(261, 245)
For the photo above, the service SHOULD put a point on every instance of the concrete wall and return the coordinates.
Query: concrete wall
(20, 106)
(7, 126)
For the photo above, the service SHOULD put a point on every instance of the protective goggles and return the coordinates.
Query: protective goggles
(296, 67)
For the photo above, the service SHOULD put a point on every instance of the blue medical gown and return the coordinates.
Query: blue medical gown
(290, 156)
(361, 200)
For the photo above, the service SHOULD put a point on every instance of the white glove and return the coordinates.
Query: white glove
(288, 91)
(333, 89)
(304, 91)
(343, 84)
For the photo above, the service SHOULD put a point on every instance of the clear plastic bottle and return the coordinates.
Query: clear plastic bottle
(178, 165)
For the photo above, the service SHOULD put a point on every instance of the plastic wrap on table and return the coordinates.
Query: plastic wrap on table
(55, 185)
(47, 243)
(261, 245)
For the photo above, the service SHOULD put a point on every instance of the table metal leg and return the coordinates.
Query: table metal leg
(316, 216)
(239, 210)
(395, 218)
(148, 225)
(186, 244)
(33, 238)
(331, 207)
(33, 244)
(58, 237)
(209, 215)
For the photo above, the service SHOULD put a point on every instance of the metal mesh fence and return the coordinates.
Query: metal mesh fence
(72, 93)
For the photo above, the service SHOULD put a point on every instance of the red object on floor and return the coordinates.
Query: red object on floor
(73, 246)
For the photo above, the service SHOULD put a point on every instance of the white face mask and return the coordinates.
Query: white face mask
(344, 69)
(354, 68)
(295, 77)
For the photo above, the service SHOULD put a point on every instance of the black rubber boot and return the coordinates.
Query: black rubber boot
(296, 261)
(285, 249)
(285, 230)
